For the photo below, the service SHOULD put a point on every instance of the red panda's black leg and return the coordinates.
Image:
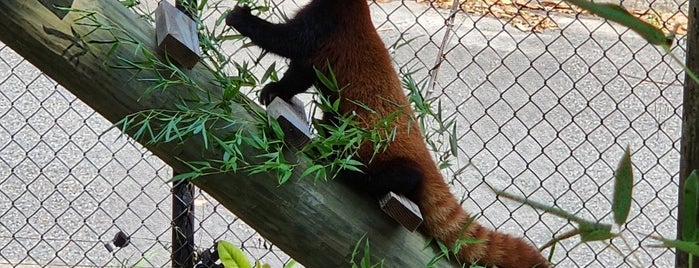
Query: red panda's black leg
(295, 39)
(299, 77)
(396, 176)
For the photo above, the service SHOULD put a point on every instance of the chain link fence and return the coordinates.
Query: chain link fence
(545, 99)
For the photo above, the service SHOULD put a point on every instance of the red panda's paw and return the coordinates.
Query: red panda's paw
(238, 16)
(271, 91)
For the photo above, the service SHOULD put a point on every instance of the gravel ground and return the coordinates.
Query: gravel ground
(545, 115)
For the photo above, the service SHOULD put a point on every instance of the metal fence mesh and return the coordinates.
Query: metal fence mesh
(70, 183)
(544, 113)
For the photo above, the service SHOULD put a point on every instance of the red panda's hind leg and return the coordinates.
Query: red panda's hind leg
(396, 175)
(382, 177)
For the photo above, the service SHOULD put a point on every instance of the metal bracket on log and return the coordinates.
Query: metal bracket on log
(401, 209)
(176, 34)
(292, 119)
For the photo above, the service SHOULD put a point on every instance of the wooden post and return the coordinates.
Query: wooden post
(316, 223)
(689, 159)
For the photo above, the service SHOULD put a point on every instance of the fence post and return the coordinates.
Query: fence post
(183, 199)
(182, 224)
(689, 159)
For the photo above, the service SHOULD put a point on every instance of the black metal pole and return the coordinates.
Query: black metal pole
(183, 198)
(182, 224)
(689, 158)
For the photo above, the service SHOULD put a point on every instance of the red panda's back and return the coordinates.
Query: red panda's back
(364, 71)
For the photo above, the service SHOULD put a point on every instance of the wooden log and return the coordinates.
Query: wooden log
(318, 224)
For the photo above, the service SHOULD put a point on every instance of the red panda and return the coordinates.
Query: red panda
(341, 35)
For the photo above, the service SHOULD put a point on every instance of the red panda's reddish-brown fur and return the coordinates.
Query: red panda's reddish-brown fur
(364, 70)
(358, 57)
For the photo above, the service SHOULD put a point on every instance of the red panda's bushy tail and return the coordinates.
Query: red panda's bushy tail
(446, 220)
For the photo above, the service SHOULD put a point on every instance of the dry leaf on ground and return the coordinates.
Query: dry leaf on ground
(530, 15)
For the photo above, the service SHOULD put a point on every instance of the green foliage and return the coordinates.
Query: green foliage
(690, 247)
(198, 114)
(623, 184)
(590, 231)
(231, 256)
(595, 231)
(365, 252)
(439, 130)
(195, 116)
(650, 33)
(463, 239)
(290, 264)
(446, 252)
(443, 252)
(689, 210)
(129, 3)
(689, 232)
(619, 15)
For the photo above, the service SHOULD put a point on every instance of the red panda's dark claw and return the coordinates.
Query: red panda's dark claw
(266, 96)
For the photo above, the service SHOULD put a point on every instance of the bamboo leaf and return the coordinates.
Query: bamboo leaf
(144, 128)
(366, 259)
(290, 264)
(186, 176)
(231, 256)
(351, 168)
(689, 208)
(324, 79)
(283, 174)
(355, 251)
(686, 246)
(258, 264)
(540, 206)
(112, 49)
(623, 185)
(620, 15)
(129, 3)
(205, 136)
(202, 4)
(595, 231)
(276, 128)
(453, 142)
(271, 72)
(311, 169)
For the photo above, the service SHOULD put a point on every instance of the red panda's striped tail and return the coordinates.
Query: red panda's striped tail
(447, 221)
